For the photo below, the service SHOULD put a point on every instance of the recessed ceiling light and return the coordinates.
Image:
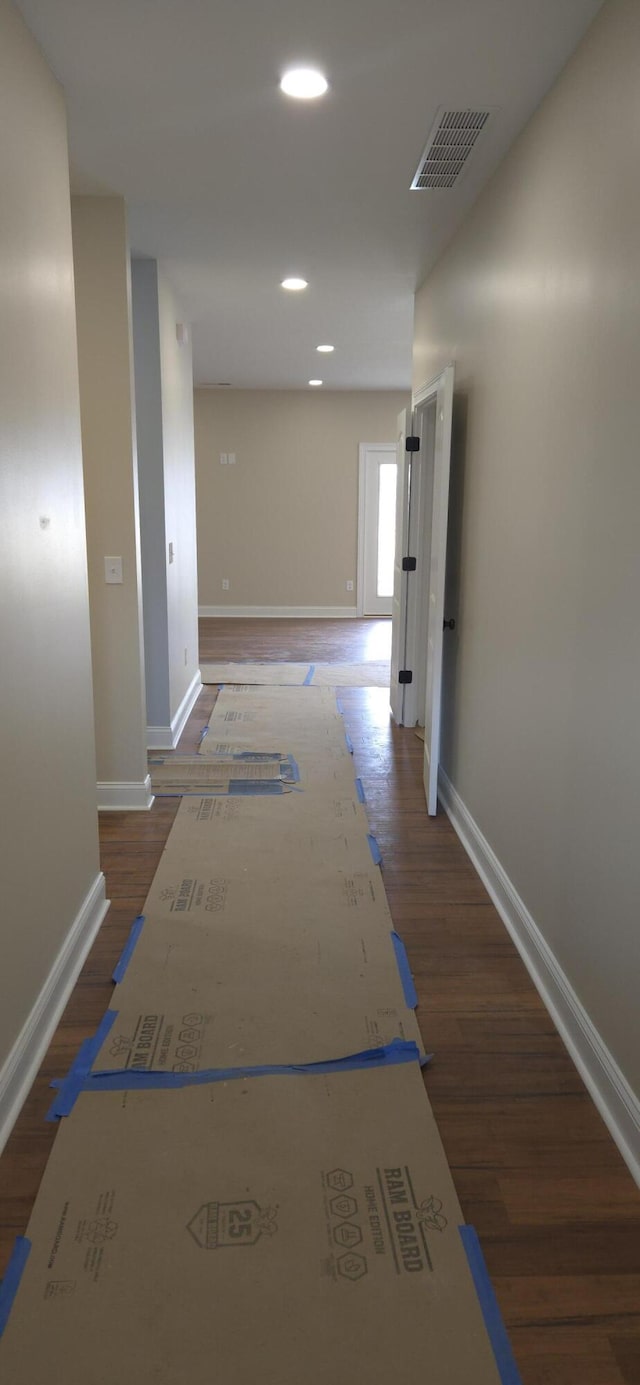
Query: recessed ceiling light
(294, 285)
(304, 83)
(315, 382)
(325, 348)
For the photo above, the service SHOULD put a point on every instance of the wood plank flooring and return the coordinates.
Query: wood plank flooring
(536, 1170)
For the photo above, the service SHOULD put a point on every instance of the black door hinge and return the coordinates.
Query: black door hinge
(405, 676)
(412, 444)
(408, 564)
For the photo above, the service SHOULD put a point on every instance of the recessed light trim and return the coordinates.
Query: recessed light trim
(294, 285)
(315, 383)
(304, 83)
(326, 348)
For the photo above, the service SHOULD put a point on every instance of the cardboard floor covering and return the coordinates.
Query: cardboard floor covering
(292, 1224)
(229, 775)
(257, 831)
(231, 995)
(375, 674)
(283, 1228)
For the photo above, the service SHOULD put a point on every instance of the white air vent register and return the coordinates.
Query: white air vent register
(452, 140)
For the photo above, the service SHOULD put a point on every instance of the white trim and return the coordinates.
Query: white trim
(114, 797)
(617, 1103)
(20, 1068)
(167, 737)
(430, 390)
(362, 463)
(282, 612)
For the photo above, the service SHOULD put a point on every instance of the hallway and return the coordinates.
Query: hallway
(535, 1169)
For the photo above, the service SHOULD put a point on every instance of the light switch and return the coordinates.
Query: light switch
(223, 459)
(231, 458)
(113, 570)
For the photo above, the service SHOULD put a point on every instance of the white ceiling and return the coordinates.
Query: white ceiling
(175, 105)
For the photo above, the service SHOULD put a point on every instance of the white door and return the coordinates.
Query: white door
(437, 564)
(399, 604)
(376, 528)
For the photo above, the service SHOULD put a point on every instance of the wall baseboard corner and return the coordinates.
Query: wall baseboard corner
(21, 1066)
(167, 737)
(116, 797)
(281, 612)
(614, 1098)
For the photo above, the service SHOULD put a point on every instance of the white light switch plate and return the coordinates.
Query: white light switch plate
(113, 570)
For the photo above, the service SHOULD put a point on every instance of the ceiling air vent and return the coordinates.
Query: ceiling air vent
(452, 140)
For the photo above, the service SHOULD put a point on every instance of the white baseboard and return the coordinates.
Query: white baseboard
(282, 612)
(167, 737)
(114, 797)
(20, 1068)
(617, 1103)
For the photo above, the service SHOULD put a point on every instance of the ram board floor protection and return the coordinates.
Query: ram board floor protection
(256, 831)
(234, 775)
(283, 1228)
(375, 674)
(241, 992)
(197, 894)
(303, 721)
(247, 1175)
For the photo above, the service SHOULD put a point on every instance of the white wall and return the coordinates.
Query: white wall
(48, 844)
(153, 546)
(282, 524)
(164, 409)
(105, 351)
(180, 496)
(537, 302)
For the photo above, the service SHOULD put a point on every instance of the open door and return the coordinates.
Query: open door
(437, 566)
(399, 604)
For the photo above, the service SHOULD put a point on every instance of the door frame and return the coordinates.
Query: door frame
(363, 450)
(440, 388)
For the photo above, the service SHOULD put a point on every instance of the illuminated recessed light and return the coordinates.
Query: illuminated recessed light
(325, 348)
(315, 382)
(294, 285)
(304, 83)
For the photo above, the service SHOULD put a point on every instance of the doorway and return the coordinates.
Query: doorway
(378, 475)
(423, 454)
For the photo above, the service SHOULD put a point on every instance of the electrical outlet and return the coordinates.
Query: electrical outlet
(349, 586)
(225, 584)
(231, 458)
(113, 570)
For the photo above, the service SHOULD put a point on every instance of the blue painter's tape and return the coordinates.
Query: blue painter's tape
(256, 787)
(203, 733)
(123, 1080)
(128, 950)
(410, 993)
(340, 706)
(349, 742)
(309, 677)
(13, 1274)
(496, 1331)
(78, 1074)
(253, 757)
(294, 776)
(376, 854)
(360, 791)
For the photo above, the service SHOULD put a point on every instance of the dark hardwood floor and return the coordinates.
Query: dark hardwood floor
(536, 1170)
